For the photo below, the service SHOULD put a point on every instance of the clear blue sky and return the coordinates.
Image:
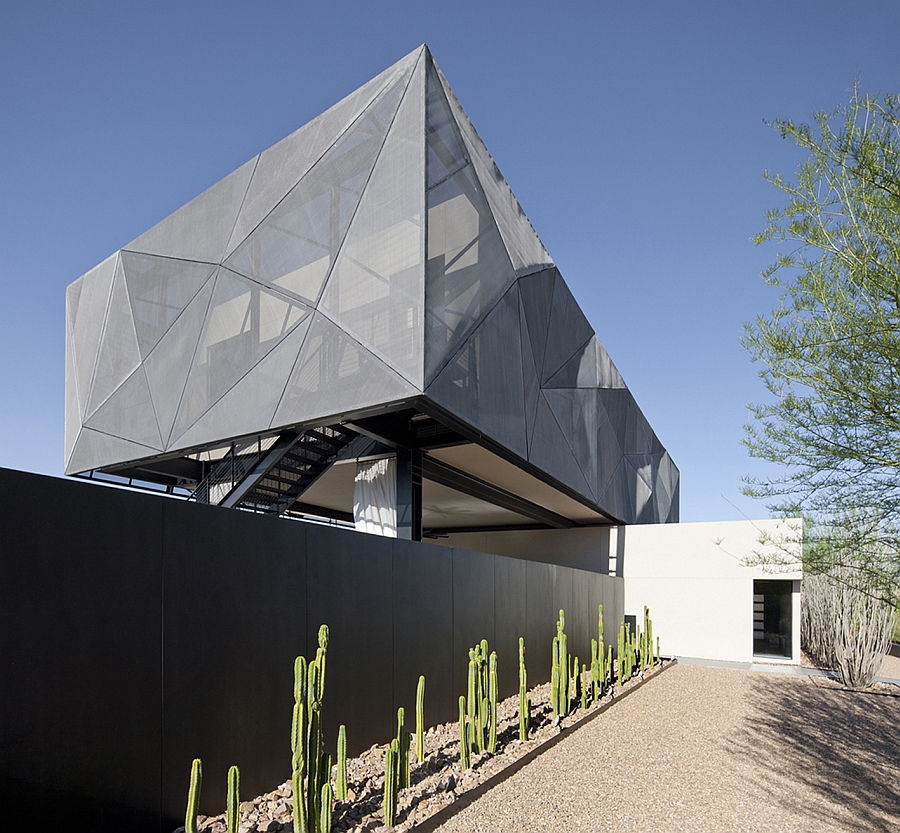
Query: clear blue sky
(632, 134)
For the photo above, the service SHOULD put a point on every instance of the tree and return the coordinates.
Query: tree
(831, 349)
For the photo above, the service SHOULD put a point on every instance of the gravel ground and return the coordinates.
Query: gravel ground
(890, 668)
(707, 749)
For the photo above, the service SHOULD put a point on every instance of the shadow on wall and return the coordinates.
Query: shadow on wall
(827, 753)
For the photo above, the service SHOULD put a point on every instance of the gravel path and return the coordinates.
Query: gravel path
(708, 749)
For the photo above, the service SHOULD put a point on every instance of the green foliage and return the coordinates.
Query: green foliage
(830, 351)
(193, 802)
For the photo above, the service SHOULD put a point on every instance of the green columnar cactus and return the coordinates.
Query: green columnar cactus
(493, 692)
(420, 720)
(193, 802)
(554, 678)
(564, 669)
(465, 758)
(389, 803)
(524, 703)
(554, 690)
(298, 812)
(658, 651)
(323, 779)
(609, 667)
(313, 744)
(473, 698)
(325, 811)
(340, 785)
(403, 743)
(576, 680)
(584, 688)
(564, 674)
(620, 656)
(323, 650)
(233, 800)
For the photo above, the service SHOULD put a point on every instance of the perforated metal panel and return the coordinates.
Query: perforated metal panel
(129, 413)
(526, 251)
(89, 299)
(200, 230)
(589, 367)
(483, 382)
(245, 322)
(295, 245)
(375, 291)
(283, 165)
(569, 330)
(551, 452)
(169, 363)
(253, 399)
(159, 289)
(575, 410)
(467, 268)
(119, 354)
(537, 297)
(335, 373)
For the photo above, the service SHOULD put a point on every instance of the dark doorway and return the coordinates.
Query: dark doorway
(772, 619)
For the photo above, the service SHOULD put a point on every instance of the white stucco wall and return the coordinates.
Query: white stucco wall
(699, 590)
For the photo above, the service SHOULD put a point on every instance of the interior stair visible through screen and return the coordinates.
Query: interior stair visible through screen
(269, 475)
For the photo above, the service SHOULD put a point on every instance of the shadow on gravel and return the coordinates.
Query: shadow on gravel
(825, 752)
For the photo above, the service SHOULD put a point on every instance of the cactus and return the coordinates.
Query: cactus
(233, 801)
(313, 744)
(493, 691)
(325, 811)
(609, 667)
(340, 784)
(472, 699)
(465, 758)
(299, 810)
(560, 673)
(584, 687)
(420, 720)
(620, 655)
(323, 650)
(403, 742)
(576, 680)
(193, 802)
(658, 652)
(390, 783)
(524, 702)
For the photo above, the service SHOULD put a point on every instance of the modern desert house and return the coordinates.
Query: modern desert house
(366, 290)
(360, 328)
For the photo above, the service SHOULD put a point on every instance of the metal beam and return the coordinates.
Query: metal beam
(468, 484)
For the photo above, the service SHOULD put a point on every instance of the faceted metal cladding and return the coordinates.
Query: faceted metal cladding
(376, 256)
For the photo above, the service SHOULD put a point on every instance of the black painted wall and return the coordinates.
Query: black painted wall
(138, 632)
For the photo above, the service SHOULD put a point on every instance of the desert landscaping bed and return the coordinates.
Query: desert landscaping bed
(438, 787)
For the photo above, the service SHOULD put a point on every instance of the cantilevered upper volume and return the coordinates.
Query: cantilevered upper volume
(374, 262)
